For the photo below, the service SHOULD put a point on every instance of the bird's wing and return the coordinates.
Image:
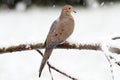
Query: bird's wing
(59, 31)
(52, 28)
(53, 39)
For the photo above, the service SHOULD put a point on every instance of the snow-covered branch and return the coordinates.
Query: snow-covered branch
(104, 47)
(22, 47)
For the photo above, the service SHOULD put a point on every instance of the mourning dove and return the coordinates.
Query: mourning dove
(60, 30)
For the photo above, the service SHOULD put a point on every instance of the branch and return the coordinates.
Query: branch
(114, 50)
(52, 67)
(23, 47)
(36, 46)
(116, 38)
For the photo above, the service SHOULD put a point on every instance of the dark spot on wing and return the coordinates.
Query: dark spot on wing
(56, 34)
(60, 33)
(62, 30)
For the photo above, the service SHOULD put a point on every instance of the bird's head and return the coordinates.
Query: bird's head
(67, 9)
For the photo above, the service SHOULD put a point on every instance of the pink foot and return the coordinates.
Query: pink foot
(64, 42)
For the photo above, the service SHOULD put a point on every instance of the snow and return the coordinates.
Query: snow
(95, 25)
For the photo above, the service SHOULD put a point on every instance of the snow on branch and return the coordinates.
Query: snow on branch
(90, 46)
(22, 47)
(103, 47)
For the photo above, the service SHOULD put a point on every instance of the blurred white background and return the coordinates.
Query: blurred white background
(92, 25)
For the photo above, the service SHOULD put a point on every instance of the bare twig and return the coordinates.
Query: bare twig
(47, 63)
(111, 67)
(63, 73)
(115, 38)
(52, 67)
(114, 50)
(50, 71)
(118, 63)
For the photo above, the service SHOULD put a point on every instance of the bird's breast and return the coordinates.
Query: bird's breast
(65, 28)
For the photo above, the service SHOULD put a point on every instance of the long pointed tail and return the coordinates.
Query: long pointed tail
(44, 60)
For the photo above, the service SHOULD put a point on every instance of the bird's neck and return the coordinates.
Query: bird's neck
(63, 15)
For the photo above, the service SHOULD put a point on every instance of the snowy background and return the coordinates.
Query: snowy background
(93, 25)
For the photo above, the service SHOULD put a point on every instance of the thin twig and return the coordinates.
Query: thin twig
(114, 50)
(50, 71)
(115, 38)
(47, 63)
(118, 63)
(52, 67)
(63, 73)
(105, 50)
(111, 67)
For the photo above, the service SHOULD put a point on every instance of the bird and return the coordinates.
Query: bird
(60, 30)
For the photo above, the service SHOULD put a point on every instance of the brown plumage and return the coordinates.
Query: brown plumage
(60, 30)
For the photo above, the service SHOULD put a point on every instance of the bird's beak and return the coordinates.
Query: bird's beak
(74, 11)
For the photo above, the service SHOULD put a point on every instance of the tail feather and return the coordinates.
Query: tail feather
(44, 60)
